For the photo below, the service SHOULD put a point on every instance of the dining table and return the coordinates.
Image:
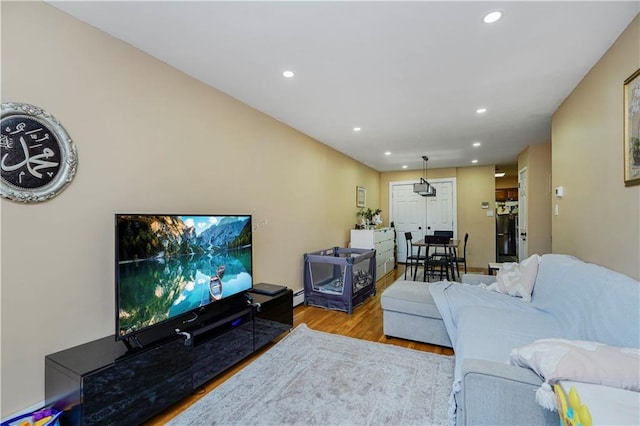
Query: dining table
(451, 247)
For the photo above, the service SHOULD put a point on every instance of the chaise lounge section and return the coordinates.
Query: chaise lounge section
(409, 312)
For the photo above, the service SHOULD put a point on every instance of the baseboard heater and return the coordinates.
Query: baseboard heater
(298, 297)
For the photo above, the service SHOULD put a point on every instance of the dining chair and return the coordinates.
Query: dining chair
(413, 259)
(437, 260)
(443, 234)
(449, 234)
(457, 259)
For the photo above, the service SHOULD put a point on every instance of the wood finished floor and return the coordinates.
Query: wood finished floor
(364, 323)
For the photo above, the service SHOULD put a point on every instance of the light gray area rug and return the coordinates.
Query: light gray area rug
(315, 378)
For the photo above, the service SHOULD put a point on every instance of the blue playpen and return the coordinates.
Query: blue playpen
(339, 278)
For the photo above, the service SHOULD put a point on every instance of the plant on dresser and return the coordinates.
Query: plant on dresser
(369, 217)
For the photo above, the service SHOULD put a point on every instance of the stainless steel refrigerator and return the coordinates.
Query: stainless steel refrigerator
(506, 239)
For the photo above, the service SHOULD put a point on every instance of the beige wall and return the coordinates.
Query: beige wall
(473, 185)
(150, 139)
(537, 160)
(599, 218)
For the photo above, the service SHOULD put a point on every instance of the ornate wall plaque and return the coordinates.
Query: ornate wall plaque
(37, 157)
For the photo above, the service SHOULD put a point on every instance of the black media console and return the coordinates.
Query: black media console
(103, 382)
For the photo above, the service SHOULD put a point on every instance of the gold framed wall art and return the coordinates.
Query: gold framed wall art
(632, 129)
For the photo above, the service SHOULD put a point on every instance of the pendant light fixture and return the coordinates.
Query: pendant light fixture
(424, 188)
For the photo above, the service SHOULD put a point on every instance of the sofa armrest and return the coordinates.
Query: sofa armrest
(476, 279)
(500, 394)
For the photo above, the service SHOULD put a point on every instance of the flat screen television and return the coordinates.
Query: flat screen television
(178, 266)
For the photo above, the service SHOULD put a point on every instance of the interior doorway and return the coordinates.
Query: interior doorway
(419, 215)
(523, 245)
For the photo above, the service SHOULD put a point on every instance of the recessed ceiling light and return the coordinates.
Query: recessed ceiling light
(356, 129)
(481, 110)
(492, 17)
(499, 174)
(387, 153)
(474, 161)
(476, 144)
(404, 166)
(288, 74)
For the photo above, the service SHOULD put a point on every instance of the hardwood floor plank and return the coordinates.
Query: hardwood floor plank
(364, 323)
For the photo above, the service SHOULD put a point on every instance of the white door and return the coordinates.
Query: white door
(409, 211)
(522, 215)
(441, 209)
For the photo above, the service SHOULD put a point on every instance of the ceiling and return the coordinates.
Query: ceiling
(411, 75)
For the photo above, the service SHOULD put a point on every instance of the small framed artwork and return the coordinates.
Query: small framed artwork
(632, 129)
(361, 196)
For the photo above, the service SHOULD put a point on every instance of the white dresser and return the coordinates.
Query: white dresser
(381, 240)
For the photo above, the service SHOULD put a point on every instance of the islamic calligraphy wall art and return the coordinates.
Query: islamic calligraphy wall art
(37, 157)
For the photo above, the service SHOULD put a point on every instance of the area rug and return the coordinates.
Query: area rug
(315, 378)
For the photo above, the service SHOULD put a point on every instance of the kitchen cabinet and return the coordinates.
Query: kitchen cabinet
(507, 194)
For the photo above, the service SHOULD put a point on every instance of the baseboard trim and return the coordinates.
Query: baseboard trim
(298, 298)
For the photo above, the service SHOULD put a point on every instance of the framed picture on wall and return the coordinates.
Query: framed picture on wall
(38, 157)
(361, 196)
(632, 129)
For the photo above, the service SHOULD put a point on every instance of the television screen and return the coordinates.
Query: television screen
(169, 265)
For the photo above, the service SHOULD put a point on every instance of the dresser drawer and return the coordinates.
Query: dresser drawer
(383, 235)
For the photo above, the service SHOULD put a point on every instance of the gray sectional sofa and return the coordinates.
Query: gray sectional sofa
(571, 299)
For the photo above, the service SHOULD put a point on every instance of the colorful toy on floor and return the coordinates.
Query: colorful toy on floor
(44, 417)
(573, 413)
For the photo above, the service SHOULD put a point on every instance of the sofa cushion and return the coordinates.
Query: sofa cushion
(491, 334)
(517, 279)
(581, 361)
(591, 302)
(411, 297)
(450, 298)
(618, 406)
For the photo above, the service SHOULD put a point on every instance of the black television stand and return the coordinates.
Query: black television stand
(108, 382)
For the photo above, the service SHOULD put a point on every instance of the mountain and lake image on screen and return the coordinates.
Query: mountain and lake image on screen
(168, 265)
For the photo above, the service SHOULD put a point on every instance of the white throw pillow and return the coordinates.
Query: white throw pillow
(517, 279)
(581, 361)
